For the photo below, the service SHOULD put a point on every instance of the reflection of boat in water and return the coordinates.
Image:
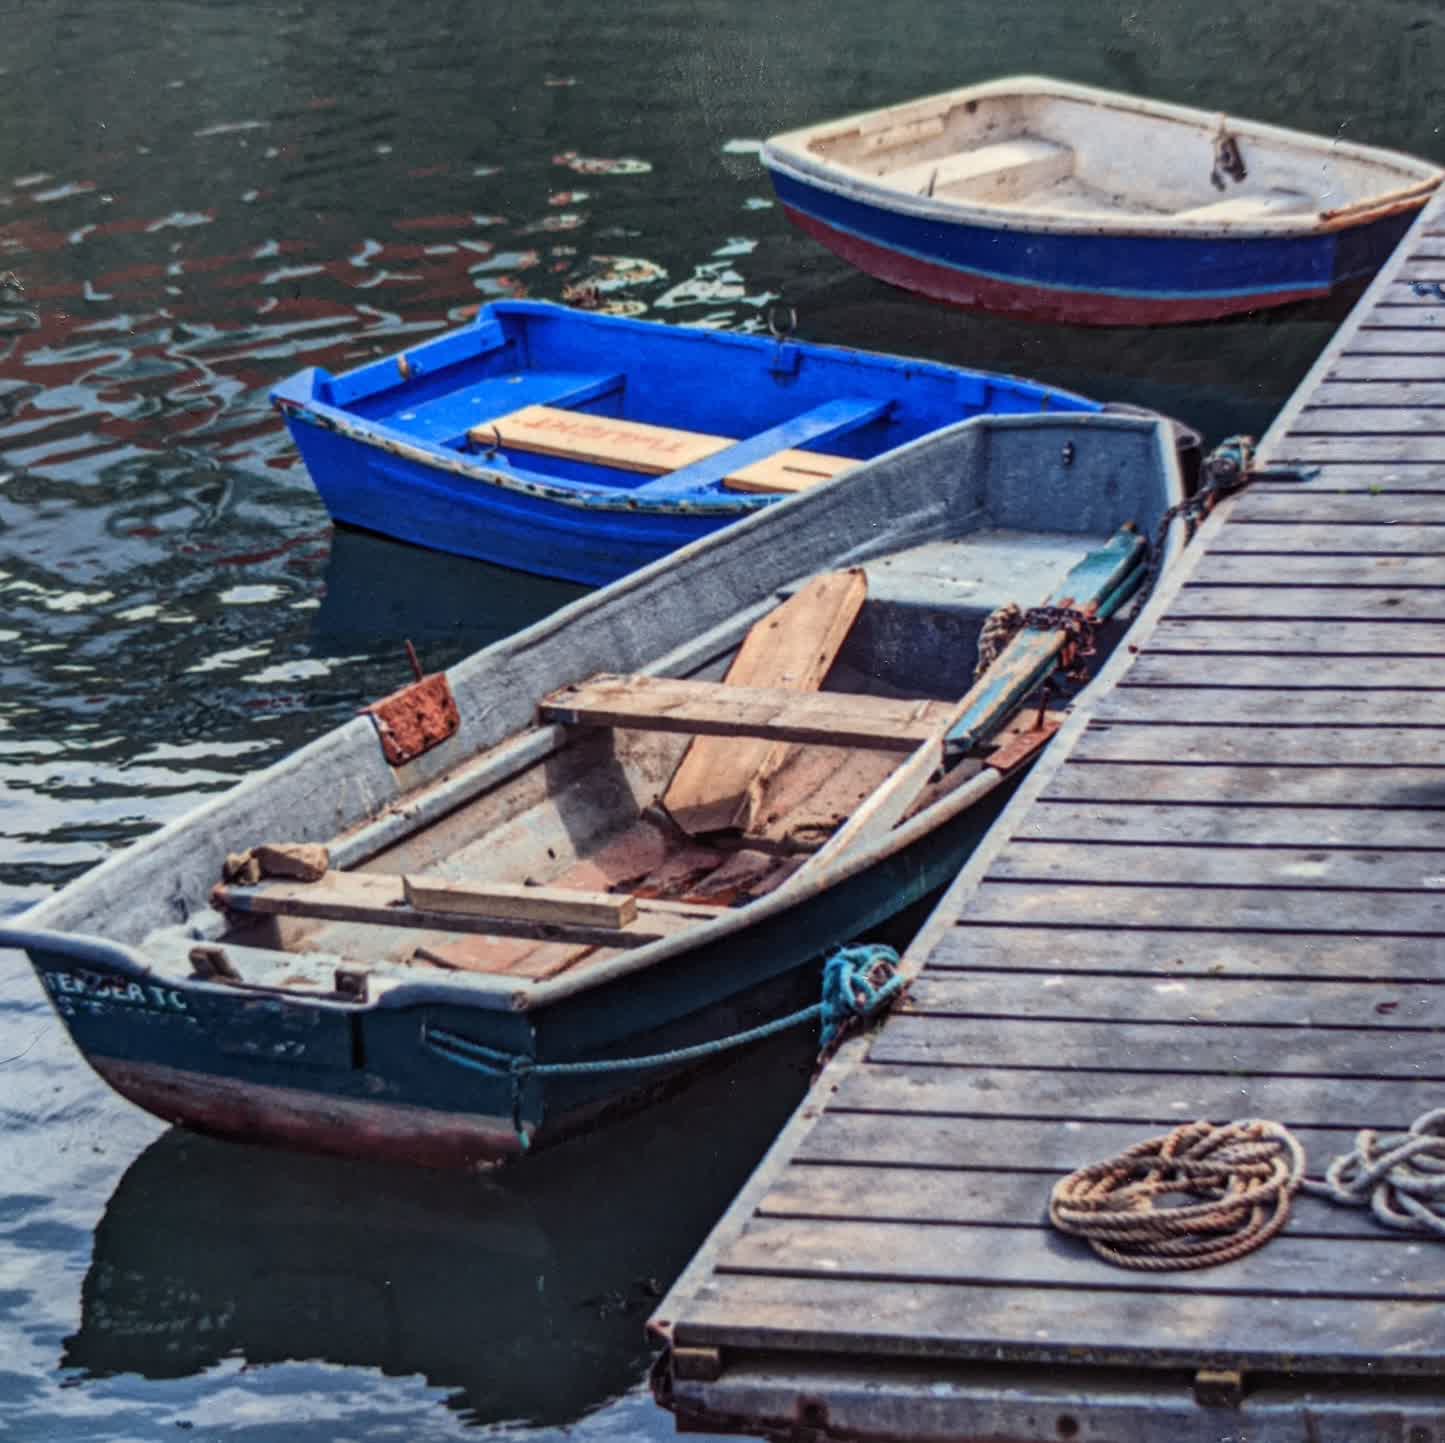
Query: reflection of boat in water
(525, 1291)
(380, 591)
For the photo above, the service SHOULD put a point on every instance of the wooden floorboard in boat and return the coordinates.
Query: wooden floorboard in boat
(1223, 896)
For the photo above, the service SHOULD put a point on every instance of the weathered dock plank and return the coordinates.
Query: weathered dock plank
(1221, 894)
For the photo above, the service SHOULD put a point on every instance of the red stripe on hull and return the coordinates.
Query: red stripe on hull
(1034, 303)
(312, 1121)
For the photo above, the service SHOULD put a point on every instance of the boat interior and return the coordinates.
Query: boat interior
(1070, 151)
(551, 396)
(642, 807)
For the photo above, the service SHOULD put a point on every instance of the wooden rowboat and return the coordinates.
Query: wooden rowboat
(618, 832)
(1060, 202)
(582, 446)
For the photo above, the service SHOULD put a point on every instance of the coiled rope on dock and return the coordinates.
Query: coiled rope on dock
(1399, 1176)
(1244, 1174)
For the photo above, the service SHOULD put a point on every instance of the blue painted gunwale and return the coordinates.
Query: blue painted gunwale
(386, 445)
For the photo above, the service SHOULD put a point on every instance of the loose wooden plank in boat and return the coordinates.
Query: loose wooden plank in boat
(722, 709)
(508, 956)
(792, 648)
(641, 447)
(506, 899)
(1162, 953)
(377, 898)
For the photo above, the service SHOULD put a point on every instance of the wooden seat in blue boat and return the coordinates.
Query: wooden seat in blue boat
(688, 461)
(813, 428)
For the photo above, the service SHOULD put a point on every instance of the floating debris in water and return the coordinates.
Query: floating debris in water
(757, 202)
(556, 82)
(231, 127)
(742, 147)
(599, 165)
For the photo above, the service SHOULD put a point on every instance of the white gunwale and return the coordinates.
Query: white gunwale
(1406, 181)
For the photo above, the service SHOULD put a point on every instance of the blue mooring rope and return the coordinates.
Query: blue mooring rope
(850, 995)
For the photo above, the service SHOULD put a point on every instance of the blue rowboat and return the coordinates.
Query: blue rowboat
(582, 446)
(498, 906)
(1061, 202)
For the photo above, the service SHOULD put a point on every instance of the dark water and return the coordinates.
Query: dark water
(197, 197)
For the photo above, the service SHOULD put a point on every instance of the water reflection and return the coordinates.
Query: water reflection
(523, 1294)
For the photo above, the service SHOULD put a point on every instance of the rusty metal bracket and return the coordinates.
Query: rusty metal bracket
(1018, 747)
(416, 718)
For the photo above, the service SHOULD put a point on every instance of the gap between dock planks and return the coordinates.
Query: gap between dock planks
(1224, 897)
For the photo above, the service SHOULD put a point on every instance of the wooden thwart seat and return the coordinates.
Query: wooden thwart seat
(1251, 207)
(1001, 171)
(721, 709)
(497, 909)
(650, 450)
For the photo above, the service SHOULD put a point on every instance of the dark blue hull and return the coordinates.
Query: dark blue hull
(1086, 279)
(362, 1081)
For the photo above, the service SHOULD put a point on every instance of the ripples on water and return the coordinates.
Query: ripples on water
(195, 200)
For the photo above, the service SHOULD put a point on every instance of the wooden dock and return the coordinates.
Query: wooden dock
(1220, 895)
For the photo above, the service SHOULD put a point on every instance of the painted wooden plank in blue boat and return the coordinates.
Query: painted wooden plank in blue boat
(405, 445)
(1067, 203)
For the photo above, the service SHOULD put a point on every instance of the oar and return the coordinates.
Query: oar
(1103, 579)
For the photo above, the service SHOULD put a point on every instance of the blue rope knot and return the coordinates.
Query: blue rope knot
(858, 983)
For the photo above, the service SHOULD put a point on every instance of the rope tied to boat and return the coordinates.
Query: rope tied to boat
(1399, 1176)
(1229, 468)
(1244, 1174)
(1006, 621)
(858, 984)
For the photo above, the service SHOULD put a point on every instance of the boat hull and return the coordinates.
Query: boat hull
(365, 486)
(402, 447)
(1086, 279)
(259, 1068)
